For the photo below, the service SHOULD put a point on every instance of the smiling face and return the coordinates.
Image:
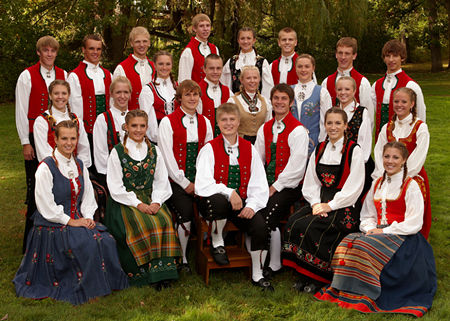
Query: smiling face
(213, 70)
(163, 65)
(393, 62)
(287, 42)
(66, 141)
(121, 95)
(402, 104)
(47, 56)
(250, 80)
(59, 96)
(393, 161)
(228, 124)
(140, 45)
(281, 104)
(345, 57)
(304, 68)
(202, 30)
(345, 92)
(136, 128)
(93, 51)
(189, 101)
(335, 126)
(246, 41)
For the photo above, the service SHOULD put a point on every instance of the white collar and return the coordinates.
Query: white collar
(396, 178)
(145, 60)
(59, 114)
(251, 95)
(189, 115)
(338, 145)
(90, 65)
(309, 83)
(210, 83)
(290, 56)
(228, 144)
(350, 106)
(161, 81)
(248, 54)
(63, 159)
(116, 110)
(43, 70)
(405, 120)
(205, 43)
(394, 73)
(345, 72)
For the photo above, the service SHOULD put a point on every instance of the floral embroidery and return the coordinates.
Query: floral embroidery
(348, 222)
(328, 179)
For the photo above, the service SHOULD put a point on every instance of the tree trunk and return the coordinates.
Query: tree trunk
(435, 45)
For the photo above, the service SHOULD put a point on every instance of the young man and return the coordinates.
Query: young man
(346, 52)
(193, 56)
(137, 67)
(283, 68)
(282, 144)
(213, 92)
(181, 136)
(393, 54)
(232, 185)
(31, 101)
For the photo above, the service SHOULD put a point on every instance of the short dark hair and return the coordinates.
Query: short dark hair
(395, 47)
(212, 56)
(283, 88)
(94, 36)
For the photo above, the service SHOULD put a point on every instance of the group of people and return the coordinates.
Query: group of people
(245, 141)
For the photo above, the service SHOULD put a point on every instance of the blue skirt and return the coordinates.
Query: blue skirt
(66, 263)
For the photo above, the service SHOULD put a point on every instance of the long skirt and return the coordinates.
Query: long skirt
(72, 264)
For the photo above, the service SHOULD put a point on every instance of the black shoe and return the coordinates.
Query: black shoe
(299, 285)
(264, 285)
(219, 255)
(184, 268)
(163, 285)
(311, 288)
(269, 274)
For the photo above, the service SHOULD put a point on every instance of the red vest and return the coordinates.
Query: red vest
(402, 80)
(222, 163)
(112, 134)
(38, 101)
(395, 209)
(136, 84)
(88, 94)
(159, 102)
(197, 71)
(292, 78)
(209, 110)
(410, 141)
(283, 151)
(331, 84)
(179, 136)
(51, 129)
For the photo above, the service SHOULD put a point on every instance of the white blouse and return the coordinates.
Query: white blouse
(298, 141)
(402, 129)
(100, 137)
(390, 190)
(249, 59)
(45, 200)
(165, 142)
(205, 184)
(161, 190)
(147, 99)
(142, 67)
(353, 186)
(43, 148)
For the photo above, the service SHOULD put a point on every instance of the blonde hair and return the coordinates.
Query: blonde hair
(227, 108)
(121, 79)
(47, 41)
(136, 31)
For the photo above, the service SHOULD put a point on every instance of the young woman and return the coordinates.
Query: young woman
(311, 100)
(59, 110)
(136, 214)
(69, 257)
(158, 97)
(333, 183)
(359, 127)
(407, 128)
(247, 57)
(254, 108)
(390, 266)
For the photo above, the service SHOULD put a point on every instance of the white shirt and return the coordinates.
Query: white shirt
(391, 191)
(249, 59)
(365, 93)
(240, 98)
(213, 91)
(390, 82)
(23, 90)
(147, 99)
(298, 141)
(142, 67)
(93, 72)
(100, 137)
(325, 102)
(45, 200)
(43, 148)
(186, 62)
(205, 184)
(402, 129)
(165, 142)
(353, 186)
(161, 190)
(365, 130)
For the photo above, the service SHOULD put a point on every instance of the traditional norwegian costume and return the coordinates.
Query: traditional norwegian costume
(283, 70)
(147, 244)
(334, 175)
(391, 272)
(417, 139)
(63, 262)
(310, 104)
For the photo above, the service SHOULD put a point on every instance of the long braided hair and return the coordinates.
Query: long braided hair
(413, 98)
(129, 116)
(155, 59)
(63, 124)
(348, 78)
(338, 110)
(51, 87)
(403, 151)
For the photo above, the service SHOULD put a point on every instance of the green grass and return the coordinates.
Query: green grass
(230, 295)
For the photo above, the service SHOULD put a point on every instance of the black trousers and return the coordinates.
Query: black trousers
(279, 204)
(181, 204)
(217, 207)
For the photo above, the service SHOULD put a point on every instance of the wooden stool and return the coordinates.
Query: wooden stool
(237, 254)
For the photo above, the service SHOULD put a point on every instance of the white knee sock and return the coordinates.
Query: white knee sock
(275, 250)
(258, 258)
(217, 232)
(184, 238)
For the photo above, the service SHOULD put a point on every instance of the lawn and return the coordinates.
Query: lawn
(230, 295)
